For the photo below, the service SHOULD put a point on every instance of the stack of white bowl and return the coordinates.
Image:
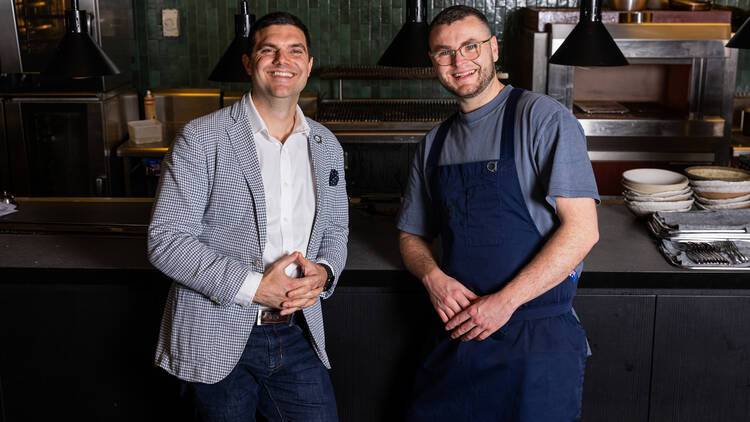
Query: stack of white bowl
(720, 188)
(651, 190)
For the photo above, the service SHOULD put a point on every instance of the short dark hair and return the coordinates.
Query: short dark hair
(455, 13)
(279, 18)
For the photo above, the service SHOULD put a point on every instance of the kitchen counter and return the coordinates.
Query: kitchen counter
(60, 239)
(74, 278)
(111, 235)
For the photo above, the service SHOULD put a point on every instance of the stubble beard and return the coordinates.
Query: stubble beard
(485, 78)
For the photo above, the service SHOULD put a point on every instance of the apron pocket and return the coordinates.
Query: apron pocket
(483, 221)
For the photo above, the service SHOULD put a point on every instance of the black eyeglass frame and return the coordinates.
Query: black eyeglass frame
(460, 50)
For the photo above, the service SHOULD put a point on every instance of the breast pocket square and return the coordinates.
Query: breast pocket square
(333, 178)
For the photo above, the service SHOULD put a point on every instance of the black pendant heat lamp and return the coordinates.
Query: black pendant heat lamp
(230, 68)
(741, 38)
(77, 55)
(589, 44)
(410, 47)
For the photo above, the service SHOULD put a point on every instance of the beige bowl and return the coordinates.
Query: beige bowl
(729, 174)
(729, 206)
(660, 197)
(719, 189)
(707, 201)
(649, 181)
(644, 208)
(720, 195)
(722, 185)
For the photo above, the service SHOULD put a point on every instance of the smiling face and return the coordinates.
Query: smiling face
(472, 81)
(280, 62)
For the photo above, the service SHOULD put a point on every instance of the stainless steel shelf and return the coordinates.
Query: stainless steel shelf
(708, 127)
(380, 137)
(660, 41)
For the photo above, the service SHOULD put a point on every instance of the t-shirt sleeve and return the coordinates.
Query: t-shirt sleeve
(415, 215)
(562, 155)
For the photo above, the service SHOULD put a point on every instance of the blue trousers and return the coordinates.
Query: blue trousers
(279, 375)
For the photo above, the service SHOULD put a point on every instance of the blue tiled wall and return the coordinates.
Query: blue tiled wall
(344, 32)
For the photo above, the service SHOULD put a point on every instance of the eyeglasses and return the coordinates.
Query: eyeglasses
(468, 51)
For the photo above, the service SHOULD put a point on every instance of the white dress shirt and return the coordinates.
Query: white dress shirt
(288, 184)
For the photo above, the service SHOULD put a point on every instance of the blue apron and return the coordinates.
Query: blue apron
(532, 368)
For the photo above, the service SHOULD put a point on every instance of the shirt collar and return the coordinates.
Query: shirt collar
(485, 110)
(258, 125)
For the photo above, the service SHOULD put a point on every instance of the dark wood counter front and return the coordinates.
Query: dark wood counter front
(81, 309)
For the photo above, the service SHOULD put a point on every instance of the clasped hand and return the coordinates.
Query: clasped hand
(280, 291)
(469, 316)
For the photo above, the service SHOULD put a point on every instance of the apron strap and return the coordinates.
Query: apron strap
(432, 163)
(541, 311)
(509, 124)
(437, 145)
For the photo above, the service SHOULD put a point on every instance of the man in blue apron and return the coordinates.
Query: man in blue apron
(507, 185)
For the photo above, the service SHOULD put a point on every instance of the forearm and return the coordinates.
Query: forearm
(418, 256)
(565, 249)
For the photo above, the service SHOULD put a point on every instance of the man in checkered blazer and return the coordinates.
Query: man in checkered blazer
(251, 221)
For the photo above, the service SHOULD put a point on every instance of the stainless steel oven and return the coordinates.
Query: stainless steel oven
(30, 31)
(671, 107)
(62, 145)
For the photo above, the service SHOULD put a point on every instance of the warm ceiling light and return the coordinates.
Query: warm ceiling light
(230, 68)
(741, 38)
(410, 47)
(77, 55)
(589, 43)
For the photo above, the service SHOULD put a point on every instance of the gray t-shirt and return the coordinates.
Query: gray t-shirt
(550, 155)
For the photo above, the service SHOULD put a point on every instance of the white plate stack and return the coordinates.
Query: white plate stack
(720, 188)
(650, 190)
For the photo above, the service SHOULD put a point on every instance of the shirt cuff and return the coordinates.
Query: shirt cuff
(249, 287)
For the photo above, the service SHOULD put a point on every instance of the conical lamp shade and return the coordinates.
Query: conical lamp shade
(409, 48)
(230, 68)
(741, 38)
(589, 44)
(78, 56)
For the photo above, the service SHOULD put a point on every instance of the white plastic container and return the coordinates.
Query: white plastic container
(145, 131)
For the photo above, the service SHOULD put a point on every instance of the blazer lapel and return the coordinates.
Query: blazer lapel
(241, 137)
(320, 168)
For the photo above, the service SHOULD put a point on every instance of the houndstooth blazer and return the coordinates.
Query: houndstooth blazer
(208, 230)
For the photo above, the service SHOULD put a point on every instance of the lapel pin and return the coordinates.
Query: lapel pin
(318, 139)
(333, 178)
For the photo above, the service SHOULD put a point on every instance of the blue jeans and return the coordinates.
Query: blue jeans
(279, 375)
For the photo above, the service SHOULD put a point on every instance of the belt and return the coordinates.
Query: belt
(272, 316)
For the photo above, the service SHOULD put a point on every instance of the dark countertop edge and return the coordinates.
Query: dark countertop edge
(374, 262)
(372, 281)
